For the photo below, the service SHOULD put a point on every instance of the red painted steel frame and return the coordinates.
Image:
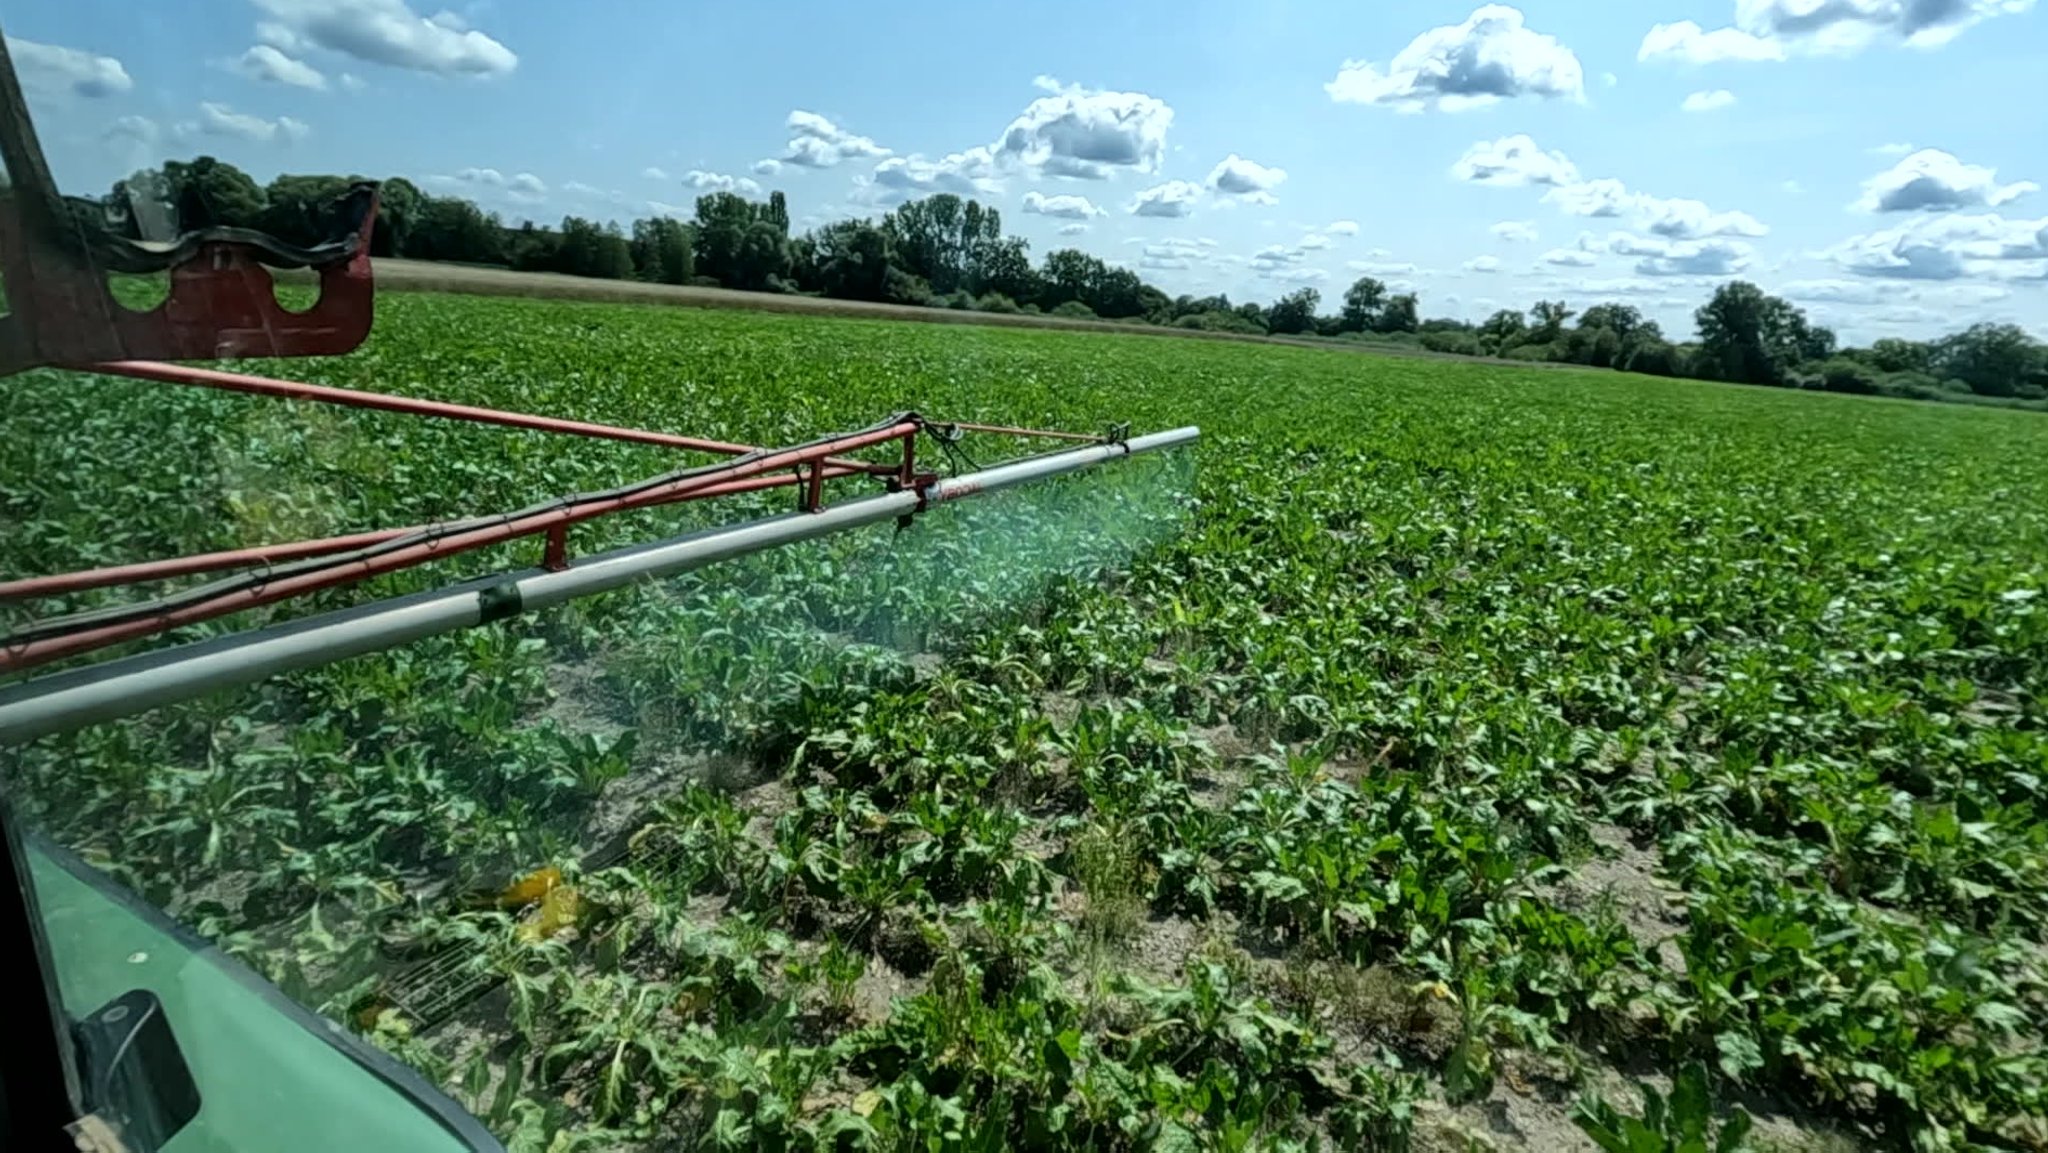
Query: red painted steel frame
(809, 466)
(351, 398)
(741, 477)
(30, 588)
(222, 302)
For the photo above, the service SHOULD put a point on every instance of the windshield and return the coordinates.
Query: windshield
(624, 576)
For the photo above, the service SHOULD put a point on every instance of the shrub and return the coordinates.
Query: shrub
(903, 288)
(1918, 386)
(1461, 343)
(1841, 374)
(997, 302)
(1654, 358)
(1075, 310)
(1219, 322)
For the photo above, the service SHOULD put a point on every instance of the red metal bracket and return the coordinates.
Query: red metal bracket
(555, 554)
(222, 303)
(56, 254)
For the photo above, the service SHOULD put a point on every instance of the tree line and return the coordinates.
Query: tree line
(1747, 336)
(950, 252)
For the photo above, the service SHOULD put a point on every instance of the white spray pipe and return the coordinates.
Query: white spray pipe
(117, 688)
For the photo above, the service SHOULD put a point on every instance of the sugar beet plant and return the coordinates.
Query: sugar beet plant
(1256, 806)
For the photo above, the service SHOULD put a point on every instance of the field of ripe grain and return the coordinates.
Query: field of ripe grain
(1438, 750)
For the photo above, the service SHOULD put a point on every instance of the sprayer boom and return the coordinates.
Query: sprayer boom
(267, 575)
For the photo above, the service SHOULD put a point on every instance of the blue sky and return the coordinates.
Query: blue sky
(1871, 159)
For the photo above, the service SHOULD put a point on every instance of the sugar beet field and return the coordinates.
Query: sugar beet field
(1441, 756)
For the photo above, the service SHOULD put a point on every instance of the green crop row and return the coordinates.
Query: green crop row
(1430, 723)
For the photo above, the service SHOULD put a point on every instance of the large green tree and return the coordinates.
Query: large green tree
(1004, 266)
(1402, 313)
(1294, 312)
(398, 213)
(1069, 274)
(661, 251)
(1750, 336)
(450, 228)
(1362, 304)
(303, 209)
(851, 260)
(1993, 359)
(209, 193)
(942, 238)
(1610, 336)
(743, 244)
(1504, 330)
(1547, 320)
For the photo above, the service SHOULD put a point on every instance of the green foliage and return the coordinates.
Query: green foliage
(1426, 635)
(743, 244)
(663, 251)
(1294, 313)
(1363, 303)
(1749, 337)
(1683, 1123)
(944, 251)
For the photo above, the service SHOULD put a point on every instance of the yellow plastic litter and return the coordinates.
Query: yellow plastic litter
(532, 887)
(556, 913)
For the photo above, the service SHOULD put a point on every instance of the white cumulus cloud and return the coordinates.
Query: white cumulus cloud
(139, 129)
(1516, 231)
(1492, 56)
(521, 186)
(1342, 228)
(1780, 29)
(699, 180)
(263, 62)
(1935, 181)
(1949, 246)
(1246, 179)
(816, 142)
(385, 32)
(1382, 267)
(1687, 43)
(1658, 256)
(1483, 264)
(1675, 219)
(1837, 292)
(1172, 199)
(1062, 207)
(1514, 160)
(1519, 160)
(1709, 101)
(1085, 134)
(652, 173)
(1176, 253)
(900, 178)
(221, 120)
(51, 69)
(1568, 258)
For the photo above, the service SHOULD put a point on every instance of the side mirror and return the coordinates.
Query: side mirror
(137, 1085)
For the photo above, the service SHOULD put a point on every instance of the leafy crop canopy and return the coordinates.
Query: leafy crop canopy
(1445, 727)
